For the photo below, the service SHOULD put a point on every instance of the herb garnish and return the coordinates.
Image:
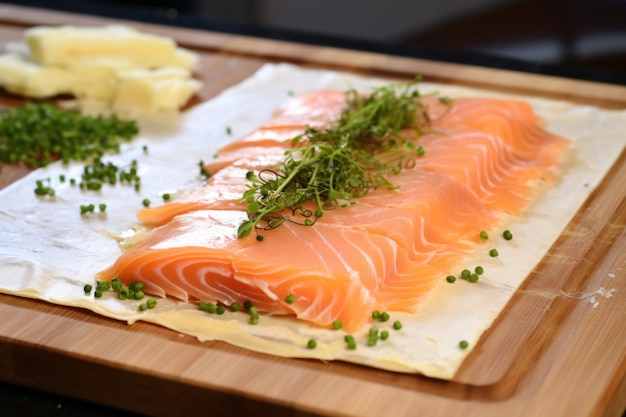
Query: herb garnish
(333, 166)
(38, 133)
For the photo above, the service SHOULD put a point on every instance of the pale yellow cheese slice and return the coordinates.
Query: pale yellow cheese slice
(71, 45)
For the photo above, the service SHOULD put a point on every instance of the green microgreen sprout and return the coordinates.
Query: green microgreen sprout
(331, 167)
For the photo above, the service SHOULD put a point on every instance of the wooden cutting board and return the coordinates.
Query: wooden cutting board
(550, 353)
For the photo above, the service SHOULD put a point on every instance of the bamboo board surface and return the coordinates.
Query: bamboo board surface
(550, 352)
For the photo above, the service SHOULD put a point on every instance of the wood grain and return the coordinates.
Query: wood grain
(551, 353)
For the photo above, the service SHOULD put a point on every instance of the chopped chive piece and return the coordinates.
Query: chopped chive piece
(376, 314)
(102, 285)
(102, 207)
(151, 303)
(290, 299)
(466, 273)
(146, 202)
(397, 324)
(384, 335)
(384, 316)
(87, 288)
(166, 196)
(124, 293)
(234, 306)
(229, 130)
(473, 278)
(116, 284)
(483, 235)
(451, 279)
(337, 324)
(479, 270)
(493, 253)
(421, 151)
(139, 295)
(463, 344)
(220, 309)
(311, 344)
(507, 235)
(97, 293)
(351, 343)
(143, 307)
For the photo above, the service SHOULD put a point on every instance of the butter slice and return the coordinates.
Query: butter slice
(154, 91)
(22, 77)
(71, 45)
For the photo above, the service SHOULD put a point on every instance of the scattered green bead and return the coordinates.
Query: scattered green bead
(350, 342)
(384, 335)
(483, 235)
(397, 324)
(235, 306)
(479, 270)
(473, 278)
(463, 344)
(290, 299)
(451, 279)
(146, 202)
(311, 344)
(507, 235)
(337, 324)
(493, 253)
(87, 288)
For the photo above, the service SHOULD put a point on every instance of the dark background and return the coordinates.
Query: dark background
(583, 39)
(575, 38)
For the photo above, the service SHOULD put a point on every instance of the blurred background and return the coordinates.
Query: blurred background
(579, 34)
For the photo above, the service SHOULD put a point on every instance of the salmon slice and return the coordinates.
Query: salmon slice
(252, 157)
(222, 191)
(449, 207)
(512, 120)
(483, 163)
(341, 273)
(316, 109)
(189, 257)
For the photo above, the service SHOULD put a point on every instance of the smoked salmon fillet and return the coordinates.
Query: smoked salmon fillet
(384, 251)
